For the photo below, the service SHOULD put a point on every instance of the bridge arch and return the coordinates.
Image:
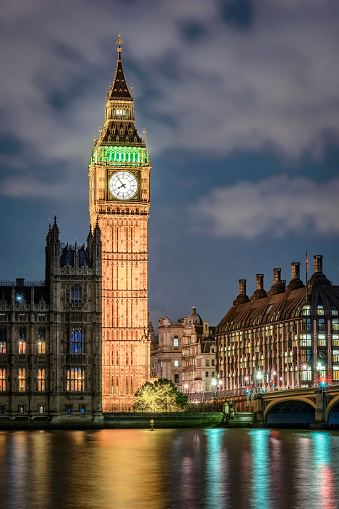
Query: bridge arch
(290, 410)
(330, 407)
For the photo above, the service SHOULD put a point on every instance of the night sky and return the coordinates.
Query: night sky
(240, 100)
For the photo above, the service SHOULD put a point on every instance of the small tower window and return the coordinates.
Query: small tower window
(22, 379)
(41, 340)
(2, 379)
(175, 341)
(76, 294)
(22, 340)
(77, 340)
(3, 340)
(41, 380)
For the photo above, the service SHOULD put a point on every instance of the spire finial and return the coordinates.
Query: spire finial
(119, 42)
(144, 133)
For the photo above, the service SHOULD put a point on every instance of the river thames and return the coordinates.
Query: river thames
(212, 468)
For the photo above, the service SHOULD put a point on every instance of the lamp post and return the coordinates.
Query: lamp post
(273, 378)
(259, 378)
(214, 383)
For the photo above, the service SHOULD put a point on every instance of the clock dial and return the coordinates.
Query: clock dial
(123, 185)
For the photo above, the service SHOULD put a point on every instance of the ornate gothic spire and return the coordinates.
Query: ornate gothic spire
(119, 88)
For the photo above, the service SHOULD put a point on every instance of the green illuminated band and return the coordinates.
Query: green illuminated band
(124, 155)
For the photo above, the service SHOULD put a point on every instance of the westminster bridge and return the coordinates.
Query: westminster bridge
(315, 405)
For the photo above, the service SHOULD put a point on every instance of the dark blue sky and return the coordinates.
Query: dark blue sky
(240, 100)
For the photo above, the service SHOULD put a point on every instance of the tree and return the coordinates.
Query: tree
(160, 396)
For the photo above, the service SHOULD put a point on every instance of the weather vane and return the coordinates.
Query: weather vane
(119, 42)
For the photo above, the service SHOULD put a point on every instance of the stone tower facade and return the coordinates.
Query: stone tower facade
(50, 338)
(119, 198)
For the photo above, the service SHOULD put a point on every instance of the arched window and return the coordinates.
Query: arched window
(76, 294)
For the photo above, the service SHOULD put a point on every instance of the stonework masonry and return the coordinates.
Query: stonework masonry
(119, 197)
(50, 337)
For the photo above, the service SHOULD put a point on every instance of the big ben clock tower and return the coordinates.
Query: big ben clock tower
(119, 196)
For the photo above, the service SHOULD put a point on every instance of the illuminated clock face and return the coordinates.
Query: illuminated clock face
(123, 185)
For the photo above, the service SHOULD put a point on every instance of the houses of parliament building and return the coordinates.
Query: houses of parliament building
(77, 344)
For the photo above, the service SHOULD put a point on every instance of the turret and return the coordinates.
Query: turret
(52, 251)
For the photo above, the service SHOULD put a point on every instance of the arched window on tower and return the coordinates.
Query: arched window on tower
(76, 294)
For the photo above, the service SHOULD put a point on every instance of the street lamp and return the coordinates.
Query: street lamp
(259, 378)
(214, 383)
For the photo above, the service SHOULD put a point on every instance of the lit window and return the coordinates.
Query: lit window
(3, 340)
(335, 324)
(82, 409)
(21, 409)
(41, 409)
(22, 340)
(175, 341)
(176, 363)
(75, 379)
(334, 311)
(77, 340)
(41, 380)
(2, 379)
(306, 375)
(41, 340)
(306, 310)
(320, 310)
(22, 379)
(76, 294)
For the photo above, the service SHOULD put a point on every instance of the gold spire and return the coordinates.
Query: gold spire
(119, 42)
(144, 133)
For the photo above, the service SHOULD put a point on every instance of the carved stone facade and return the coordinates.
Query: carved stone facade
(119, 194)
(50, 337)
(185, 353)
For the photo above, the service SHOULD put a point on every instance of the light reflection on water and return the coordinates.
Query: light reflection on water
(215, 468)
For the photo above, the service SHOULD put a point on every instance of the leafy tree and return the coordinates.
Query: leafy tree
(160, 396)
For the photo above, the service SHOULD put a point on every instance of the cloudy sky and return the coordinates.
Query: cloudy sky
(240, 100)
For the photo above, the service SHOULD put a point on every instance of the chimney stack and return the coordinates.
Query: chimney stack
(260, 281)
(295, 270)
(242, 286)
(318, 264)
(276, 276)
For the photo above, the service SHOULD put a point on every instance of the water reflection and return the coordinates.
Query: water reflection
(216, 488)
(188, 469)
(323, 473)
(260, 469)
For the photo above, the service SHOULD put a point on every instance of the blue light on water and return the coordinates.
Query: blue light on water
(215, 489)
(260, 469)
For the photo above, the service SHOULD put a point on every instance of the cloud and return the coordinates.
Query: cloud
(224, 75)
(277, 206)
